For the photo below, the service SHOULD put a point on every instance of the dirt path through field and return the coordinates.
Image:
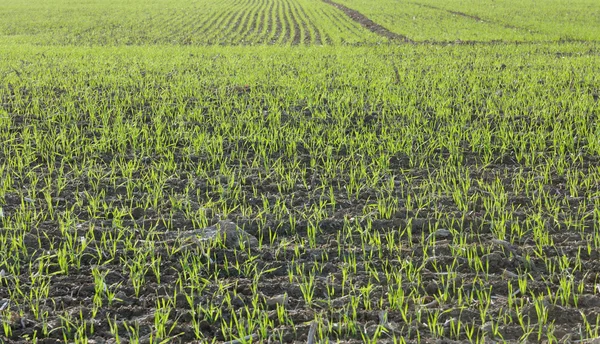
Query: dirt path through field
(368, 23)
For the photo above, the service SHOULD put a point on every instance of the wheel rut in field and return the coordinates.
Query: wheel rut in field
(368, 24)
(474, 17)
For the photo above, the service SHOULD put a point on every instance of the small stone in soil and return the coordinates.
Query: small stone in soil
(440, 234)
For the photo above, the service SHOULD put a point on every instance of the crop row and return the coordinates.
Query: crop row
(202, 22)
(180, 22)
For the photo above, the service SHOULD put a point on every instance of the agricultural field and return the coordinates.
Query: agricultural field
(485, 20)
(296, 171)
(179, 22)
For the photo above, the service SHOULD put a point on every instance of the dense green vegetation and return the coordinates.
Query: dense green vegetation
(361, 190)
(487, 20)
(178, 22)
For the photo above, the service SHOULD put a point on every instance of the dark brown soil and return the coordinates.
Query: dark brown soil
(367, 23)
(72, 294)
(229, 288)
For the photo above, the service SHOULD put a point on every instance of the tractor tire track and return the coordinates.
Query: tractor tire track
(474, 17)
(368, 24)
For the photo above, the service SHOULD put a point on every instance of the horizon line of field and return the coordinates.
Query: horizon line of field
(281, 23)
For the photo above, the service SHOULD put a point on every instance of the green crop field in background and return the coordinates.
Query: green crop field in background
(246, 22)
(485, 20)
(178, 22)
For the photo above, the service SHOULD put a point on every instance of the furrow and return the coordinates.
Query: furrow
(368, 24)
